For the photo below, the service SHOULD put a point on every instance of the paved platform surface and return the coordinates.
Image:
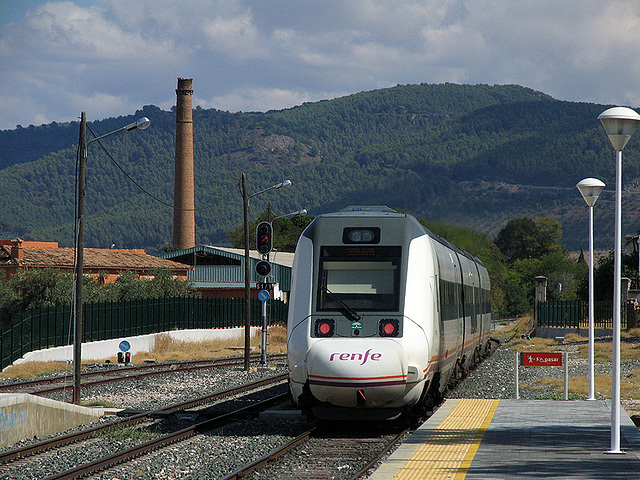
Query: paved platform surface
(517, 439)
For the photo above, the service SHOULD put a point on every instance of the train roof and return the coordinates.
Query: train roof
(384, 211)
(365, 210)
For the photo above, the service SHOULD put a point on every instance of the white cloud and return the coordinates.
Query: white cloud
(235, 37)
(260, 99)
(111, 57)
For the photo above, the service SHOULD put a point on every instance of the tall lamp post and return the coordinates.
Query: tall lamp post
(247, 268)
(140, 124)
(619, 123)
(590, 189)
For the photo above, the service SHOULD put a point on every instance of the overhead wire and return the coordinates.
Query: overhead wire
(134, 181)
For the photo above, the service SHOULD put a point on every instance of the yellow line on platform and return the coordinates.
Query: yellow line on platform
(448, 452)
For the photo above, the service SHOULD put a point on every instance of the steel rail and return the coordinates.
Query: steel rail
(164, 440)
(157, 369)
(394, 441)
(137, 418)
(270, 457)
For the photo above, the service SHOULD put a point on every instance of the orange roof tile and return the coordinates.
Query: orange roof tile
(97, 258)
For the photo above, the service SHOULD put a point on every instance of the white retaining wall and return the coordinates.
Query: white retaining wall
(99, 351)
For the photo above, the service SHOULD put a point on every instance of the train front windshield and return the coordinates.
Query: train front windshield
(365, 278)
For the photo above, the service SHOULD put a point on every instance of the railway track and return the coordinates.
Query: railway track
(116, 374)
(49, 447)
(322, 454)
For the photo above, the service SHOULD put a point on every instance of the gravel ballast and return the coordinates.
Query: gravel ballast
(216, 453)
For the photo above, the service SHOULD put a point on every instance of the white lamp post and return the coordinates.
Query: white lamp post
(590, 189)
(619, 123)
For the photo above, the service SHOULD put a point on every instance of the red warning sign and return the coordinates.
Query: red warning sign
(541, 359)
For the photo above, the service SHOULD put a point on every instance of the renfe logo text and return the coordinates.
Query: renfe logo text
(356, 356)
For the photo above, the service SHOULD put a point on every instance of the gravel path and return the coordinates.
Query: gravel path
(495, 378)
(215, 453)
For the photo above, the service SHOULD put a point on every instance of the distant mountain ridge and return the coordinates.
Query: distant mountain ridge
(473, 155)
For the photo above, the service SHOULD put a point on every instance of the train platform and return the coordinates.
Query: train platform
(25, 416)
(516, 439)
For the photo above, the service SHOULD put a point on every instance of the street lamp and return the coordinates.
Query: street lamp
(302, 213)
(247, 269)
(619, 123)
(590, 189)
(140, 124)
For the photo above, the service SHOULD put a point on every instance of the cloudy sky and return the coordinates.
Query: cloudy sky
(111, 57)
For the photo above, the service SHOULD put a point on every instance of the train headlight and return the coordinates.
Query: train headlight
(325, 327)
(389, 328)
(361, 235)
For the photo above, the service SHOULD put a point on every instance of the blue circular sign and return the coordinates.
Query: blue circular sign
(263, 295)
(124, 346)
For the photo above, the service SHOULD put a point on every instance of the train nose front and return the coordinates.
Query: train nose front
(371, 374)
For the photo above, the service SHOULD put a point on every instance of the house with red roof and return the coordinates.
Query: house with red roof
(18, 254)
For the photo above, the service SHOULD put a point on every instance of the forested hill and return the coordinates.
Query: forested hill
(472, 155)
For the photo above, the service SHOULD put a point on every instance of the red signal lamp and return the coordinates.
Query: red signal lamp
(389, 328)
(325, 327)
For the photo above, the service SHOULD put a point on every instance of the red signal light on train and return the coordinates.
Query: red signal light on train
(325, 327)
(389, 328)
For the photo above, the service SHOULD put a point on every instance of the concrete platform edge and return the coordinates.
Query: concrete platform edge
(26, 416)
(404, 452)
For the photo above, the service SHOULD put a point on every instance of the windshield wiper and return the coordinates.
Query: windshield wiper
(343, 308)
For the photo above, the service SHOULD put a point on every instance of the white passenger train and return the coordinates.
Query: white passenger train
(383, 314)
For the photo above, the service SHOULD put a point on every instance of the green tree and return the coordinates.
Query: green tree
(42, 287)
(523, 238)
(46, 287)
(286, 232)
(603, 275)
(534, 249)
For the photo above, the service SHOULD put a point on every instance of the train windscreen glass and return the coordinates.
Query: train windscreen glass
(363, 278)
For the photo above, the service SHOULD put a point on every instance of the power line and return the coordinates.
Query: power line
(134, 181)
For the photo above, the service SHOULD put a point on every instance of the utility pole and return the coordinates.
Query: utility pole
(247, 276)
(77, 337)
(141, 124)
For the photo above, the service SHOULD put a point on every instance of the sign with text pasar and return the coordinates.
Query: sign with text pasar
(541, 359)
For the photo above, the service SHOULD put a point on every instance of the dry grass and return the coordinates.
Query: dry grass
(629, 386)
(167, 350)
(579, 348)
(36, 369)
(515, 329)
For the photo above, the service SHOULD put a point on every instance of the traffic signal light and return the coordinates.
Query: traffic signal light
(120, 357)
(127, 358)
(264, 237)
(263, 268)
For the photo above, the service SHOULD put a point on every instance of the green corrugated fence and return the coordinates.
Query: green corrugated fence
(575, 314)
(48, 327)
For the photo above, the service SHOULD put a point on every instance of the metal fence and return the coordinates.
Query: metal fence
(575, 314)
(47, 327)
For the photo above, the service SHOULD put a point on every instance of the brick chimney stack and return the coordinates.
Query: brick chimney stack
(17, 251)
(184, 224)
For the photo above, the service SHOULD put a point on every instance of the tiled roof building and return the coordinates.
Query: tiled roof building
(18, 254)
